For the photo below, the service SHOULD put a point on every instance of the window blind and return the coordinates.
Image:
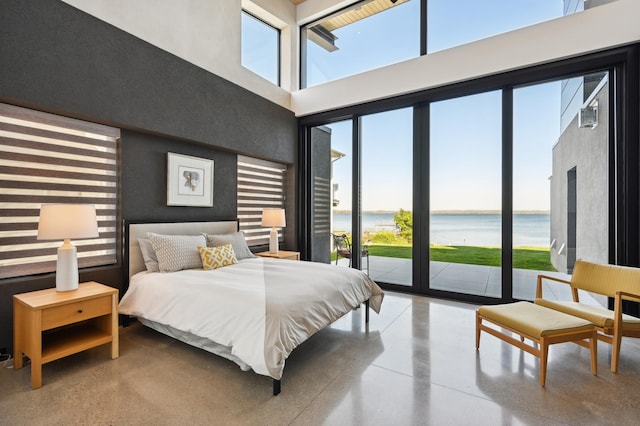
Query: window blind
(44, 159)
(260, 184)
(321, 206)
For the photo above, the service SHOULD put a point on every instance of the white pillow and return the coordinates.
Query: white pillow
(149, 256)
(176, 252)
(237, 241)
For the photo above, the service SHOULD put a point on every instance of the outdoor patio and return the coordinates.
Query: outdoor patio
(473, 279)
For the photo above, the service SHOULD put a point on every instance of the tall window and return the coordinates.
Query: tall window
(451, 24)
(465, 194)
(364, 36)
(261, 184)
(387, 191)
(371, 34)
(51, 159)
(331, 169)
(261, 48)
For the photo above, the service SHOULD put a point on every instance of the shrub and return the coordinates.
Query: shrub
(404, 221)
(383, 237)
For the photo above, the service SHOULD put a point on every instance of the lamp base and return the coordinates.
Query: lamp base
(67, 267)
(273, 241)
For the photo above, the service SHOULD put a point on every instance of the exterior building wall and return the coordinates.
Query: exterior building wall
(321, 189)
(586, 149)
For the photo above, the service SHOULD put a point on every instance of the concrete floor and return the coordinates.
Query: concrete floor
(416, 364)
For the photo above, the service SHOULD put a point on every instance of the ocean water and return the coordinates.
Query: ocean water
(461, 229)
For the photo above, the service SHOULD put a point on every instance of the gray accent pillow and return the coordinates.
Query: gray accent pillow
(177, 252)
(149, 256)
(237, 241)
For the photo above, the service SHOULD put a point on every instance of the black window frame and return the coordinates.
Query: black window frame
(623, 64)
(279, 47)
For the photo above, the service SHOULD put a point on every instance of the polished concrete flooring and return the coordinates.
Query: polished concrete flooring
(416, 364)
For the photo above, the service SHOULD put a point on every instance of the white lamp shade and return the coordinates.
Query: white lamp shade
(67, 221)
(273, 217)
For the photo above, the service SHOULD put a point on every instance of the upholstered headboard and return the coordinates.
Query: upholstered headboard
(133, 231)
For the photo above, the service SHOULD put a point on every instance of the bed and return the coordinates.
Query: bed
(254, 311)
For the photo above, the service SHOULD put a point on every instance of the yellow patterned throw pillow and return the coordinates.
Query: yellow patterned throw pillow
(217, 257)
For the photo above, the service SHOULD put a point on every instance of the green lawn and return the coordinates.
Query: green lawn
(536, 258)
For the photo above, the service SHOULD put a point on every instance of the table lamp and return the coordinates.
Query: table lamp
(66, 222)
(273, 218)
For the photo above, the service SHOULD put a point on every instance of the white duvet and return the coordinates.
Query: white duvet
(261, 308)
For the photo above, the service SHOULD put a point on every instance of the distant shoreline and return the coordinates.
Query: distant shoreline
(450, 212)
(462, 228)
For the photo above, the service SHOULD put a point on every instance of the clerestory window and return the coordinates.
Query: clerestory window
(370, 34)
(261, 47)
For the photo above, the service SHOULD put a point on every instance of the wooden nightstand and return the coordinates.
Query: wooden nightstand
(49, 325)
(282, 254)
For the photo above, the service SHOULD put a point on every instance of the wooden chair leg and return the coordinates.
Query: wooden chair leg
(615, 352)
(593, 346)
(544, 353)
(617, 333)
(478, 323)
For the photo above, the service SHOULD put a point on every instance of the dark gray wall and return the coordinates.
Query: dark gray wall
(144, 179)
(58, 59)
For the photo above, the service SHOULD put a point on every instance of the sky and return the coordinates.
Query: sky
(465, 165)
(465, 153)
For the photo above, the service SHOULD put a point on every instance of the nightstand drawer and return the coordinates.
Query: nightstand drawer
(75, 312)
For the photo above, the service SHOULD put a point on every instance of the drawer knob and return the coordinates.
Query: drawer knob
(79, 311)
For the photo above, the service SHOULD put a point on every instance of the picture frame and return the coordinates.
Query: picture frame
(189, 181)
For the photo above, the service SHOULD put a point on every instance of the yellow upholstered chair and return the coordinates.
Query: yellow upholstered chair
(619, 282)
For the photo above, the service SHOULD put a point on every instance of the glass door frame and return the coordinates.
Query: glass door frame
(623, 65)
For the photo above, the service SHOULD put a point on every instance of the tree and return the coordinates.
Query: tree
(404, 221)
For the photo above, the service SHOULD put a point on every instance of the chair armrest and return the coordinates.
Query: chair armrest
(547, 277)
(627, 296)
(617, 308)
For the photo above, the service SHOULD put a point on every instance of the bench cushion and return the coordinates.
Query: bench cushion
(533, 320)
(601, 317)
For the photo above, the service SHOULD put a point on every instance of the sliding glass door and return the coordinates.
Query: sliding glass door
(560, 178)
(387, 195)
(470, 194)
(465, 195)
(331, 189)
(489, 233)
(536, 129)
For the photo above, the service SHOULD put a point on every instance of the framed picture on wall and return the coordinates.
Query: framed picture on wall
(189, 181)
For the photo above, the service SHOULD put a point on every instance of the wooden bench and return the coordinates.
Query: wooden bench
(541, 325)
(618, 282)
